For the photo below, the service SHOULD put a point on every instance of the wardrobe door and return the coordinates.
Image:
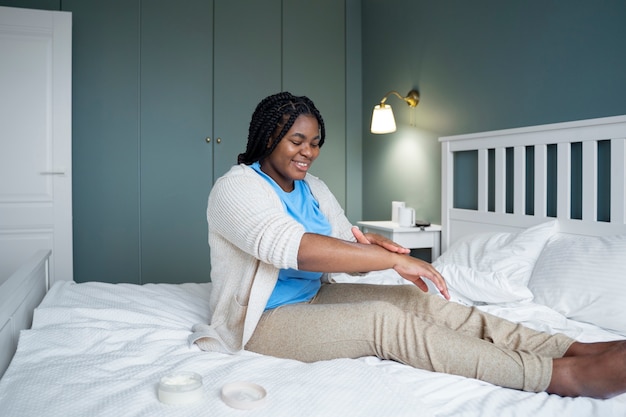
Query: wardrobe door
(314, 65)
(175, 121)
(247, 65)
(105, 151)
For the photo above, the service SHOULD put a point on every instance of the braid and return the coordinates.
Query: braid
(276, 111)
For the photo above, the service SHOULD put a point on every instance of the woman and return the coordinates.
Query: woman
(275, 233)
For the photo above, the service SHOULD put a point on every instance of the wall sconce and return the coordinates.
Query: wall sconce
(382, 116)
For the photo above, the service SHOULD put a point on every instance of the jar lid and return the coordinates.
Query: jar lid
(244, 395)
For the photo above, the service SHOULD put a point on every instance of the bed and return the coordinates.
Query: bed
(521, 245)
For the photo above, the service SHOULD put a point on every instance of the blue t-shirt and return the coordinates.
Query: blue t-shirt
(294, 286)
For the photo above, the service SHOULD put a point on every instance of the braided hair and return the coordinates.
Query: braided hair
(272, 119)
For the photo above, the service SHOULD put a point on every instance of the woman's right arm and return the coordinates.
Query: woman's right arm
(376, 239)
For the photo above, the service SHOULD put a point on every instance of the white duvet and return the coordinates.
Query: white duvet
(100, 349)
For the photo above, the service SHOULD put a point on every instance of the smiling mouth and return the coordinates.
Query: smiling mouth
(302, 165)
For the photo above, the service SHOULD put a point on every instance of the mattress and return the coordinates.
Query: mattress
(98, 349)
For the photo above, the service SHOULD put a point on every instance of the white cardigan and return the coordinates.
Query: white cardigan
(251, 238)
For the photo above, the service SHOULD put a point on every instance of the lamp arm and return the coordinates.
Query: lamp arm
(412, 98)
(388, 94)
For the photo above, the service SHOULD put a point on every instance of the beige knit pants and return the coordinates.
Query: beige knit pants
(401, 323)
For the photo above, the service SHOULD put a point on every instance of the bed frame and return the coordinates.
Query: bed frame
(493, 150)
(23, 291)
(19, 295)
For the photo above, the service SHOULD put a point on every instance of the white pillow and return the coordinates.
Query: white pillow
(582, 277)
(481, 286)
(494, 267)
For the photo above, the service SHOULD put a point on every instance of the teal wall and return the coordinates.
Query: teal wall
(479, 65)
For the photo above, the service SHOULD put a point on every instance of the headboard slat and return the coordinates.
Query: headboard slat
(590, 181)
(541, 180)
(564, 180)
(618, 181)
(519, 180)
(483, 179)
(500, 180)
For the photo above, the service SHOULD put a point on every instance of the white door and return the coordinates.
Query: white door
(35, 139)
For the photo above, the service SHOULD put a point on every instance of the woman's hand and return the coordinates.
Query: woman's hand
(414, 269)
(374, 239)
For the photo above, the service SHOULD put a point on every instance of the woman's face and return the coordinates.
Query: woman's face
(294, 154)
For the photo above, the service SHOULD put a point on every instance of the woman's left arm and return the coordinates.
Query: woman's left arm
(327, 254)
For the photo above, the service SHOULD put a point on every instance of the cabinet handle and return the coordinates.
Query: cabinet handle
(218, 140)
(60, 172)
(208, 139)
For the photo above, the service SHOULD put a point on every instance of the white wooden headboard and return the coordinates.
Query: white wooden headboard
(512, 145)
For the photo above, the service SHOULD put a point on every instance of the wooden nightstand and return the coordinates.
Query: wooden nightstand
(409, 237)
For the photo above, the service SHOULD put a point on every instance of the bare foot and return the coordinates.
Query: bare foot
(583, 349)
(601, 375)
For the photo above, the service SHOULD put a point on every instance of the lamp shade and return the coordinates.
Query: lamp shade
(382, 119)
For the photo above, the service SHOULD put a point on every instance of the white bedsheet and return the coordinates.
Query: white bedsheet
(100, 349)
